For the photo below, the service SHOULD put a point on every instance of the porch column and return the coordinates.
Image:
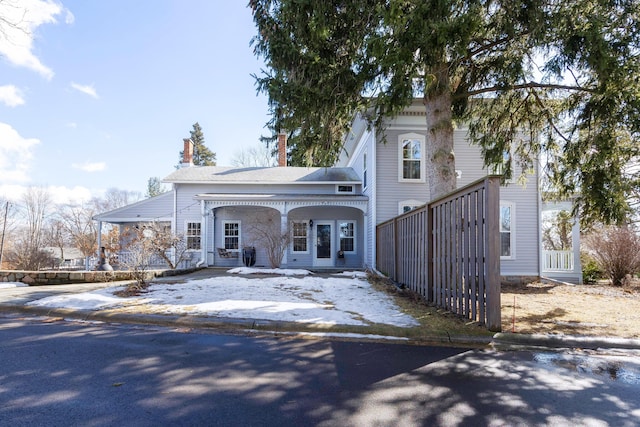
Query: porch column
(203, 236)
(575, 246)
(86, 261)
(99, 238)
(284, 228)
(365, 244)
(213, 237)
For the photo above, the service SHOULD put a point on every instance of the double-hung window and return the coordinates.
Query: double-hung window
(408, 205)
(364, 170)
(347, 236)
(507, 230)
(231, 235)
(299, 231)
(193, 235)
(411, 167)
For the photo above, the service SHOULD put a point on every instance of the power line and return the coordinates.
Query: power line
(4, 229)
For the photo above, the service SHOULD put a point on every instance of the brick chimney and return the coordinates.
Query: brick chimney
(187, 153)
(282, 149)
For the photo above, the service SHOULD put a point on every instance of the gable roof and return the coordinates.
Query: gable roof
(261, 175)
(155, 208)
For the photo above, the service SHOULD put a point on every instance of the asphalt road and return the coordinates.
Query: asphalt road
(59, 373)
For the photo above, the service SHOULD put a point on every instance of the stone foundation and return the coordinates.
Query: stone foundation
(41, 278)
(518, 280)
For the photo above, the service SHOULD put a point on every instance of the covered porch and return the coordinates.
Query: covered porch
(286, 230)
(560, 249)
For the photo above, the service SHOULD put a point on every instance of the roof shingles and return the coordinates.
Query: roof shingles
(282, 175)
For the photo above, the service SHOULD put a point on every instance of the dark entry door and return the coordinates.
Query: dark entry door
(324, 240)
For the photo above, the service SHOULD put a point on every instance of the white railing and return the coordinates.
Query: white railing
(557, 261)
(125, 258)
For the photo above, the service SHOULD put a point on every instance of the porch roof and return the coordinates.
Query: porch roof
(284, 202)
(157, 208)
(271, 175)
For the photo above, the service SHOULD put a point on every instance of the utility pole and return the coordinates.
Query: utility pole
(4, 228)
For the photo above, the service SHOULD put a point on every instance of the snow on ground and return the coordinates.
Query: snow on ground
(6, 285)
(344, 300)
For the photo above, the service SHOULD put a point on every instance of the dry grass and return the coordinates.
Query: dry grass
(593, 310)
(434, 322)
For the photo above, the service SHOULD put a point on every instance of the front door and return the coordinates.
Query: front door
(323, 237)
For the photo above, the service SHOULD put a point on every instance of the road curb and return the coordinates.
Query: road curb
(245, 325)
(563, 341)
(500, 340)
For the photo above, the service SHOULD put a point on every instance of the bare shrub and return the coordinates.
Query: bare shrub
(265, 231)
(616, 251)
(172, 248)
(140, 251)
(149, 240)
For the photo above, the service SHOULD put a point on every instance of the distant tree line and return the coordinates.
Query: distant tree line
(36, 232)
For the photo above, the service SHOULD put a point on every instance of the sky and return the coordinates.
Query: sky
(99, 94)
(291, 296)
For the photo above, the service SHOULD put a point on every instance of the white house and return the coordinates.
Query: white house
(330, 214)
(394, 181)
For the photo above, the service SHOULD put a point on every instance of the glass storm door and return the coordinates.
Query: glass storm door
(324, 244)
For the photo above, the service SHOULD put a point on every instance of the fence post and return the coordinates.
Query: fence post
(396, 247)
(430, 243)
(492, 236)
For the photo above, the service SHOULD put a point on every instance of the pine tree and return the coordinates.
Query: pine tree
(154, 187)
(541, 78)
(202, 155)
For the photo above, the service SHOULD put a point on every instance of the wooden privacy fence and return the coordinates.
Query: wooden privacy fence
(448, 251)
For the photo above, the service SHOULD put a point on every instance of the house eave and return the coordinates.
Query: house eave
(209, 182)
(122, 220)
(279, 197)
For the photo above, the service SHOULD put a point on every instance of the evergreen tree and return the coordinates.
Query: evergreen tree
(154, 187)
(202, 155)
(547, 79)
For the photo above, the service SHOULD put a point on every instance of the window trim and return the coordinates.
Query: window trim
(499, 169)
(354, 237)
(187, 236)
(293, 237)
(353, 189)
(224, 234)
(512, 231)
(364, 170)
(412, 203)
(421, 140)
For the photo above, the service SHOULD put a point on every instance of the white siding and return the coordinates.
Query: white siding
(365, 145)
(391, 192)
(155, 208)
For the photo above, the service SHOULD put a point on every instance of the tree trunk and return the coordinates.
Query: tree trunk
(440, 159)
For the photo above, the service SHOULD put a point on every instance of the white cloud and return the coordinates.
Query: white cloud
(90, 167)
(21, 18)
(15, 155)
(69, 18)
(86, 89)
(64, 195)
(11, 96)
(59, 195)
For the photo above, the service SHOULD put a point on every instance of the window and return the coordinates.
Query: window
(364, 171)
(506, 230)
(193, 235)
(500, 169)
(299, 236)
(347, 236)
(408, 205)
(231, 235)
(411, 151)
(345, 189)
